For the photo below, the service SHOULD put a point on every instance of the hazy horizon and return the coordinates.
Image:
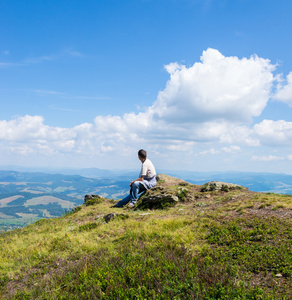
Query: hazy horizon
(121, 171)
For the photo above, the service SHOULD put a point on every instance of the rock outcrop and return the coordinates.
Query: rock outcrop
(92, 199)
(164, 179)
(220, 186)
(168, 192)
(160, 200)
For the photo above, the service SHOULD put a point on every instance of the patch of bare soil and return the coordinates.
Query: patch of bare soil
(269, 281)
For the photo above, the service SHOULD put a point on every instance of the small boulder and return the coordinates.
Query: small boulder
(112, 216)
(109, 217)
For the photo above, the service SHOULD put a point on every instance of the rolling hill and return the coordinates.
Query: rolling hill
(211, 243)
(26, 196)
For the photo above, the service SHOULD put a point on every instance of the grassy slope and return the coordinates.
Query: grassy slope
(212, 245)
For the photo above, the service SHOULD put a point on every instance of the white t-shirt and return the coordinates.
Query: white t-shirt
(147, 170)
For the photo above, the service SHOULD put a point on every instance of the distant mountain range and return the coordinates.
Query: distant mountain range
(28, 196)
(258, 182)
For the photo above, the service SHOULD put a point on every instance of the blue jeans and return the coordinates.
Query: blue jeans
(136, 191)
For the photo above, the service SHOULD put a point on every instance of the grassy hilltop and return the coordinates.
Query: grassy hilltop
(226, 244)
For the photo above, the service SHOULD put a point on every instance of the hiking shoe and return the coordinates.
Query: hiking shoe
(131, 205)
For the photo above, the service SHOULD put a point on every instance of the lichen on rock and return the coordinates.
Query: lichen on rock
(220, 186)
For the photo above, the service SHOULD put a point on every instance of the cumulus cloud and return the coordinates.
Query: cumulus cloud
(284, 90)
(29, 135)
(274, 132)
(217, 88)
(239, 134)
(212, 151)
(181, 146)
(210, 103)
(29, 128)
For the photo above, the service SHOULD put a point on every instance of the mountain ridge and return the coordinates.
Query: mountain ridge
(29, 185)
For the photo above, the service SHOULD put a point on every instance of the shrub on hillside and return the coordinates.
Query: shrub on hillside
(92, 199)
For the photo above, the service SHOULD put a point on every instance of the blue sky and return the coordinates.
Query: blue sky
(202, 85)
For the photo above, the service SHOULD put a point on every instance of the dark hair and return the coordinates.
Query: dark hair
(142, 153)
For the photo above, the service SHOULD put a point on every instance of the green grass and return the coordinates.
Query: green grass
(208, 248)
(254, 245)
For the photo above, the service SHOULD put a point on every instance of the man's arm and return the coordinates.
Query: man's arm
(138, 179)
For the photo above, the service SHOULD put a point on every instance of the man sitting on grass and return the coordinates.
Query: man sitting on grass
(146, 180)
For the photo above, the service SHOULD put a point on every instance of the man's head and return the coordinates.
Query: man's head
(142, 154)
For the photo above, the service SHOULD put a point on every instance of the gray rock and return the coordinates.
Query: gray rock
(219, 186)
(157, 188)
(158, 200)
(90, 197)
(112, 216)
(109, 217)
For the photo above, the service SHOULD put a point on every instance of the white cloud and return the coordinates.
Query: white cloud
(205, 109)
(217, 88)
(239, 134)
(30, 128)
(211, 151)
(272, 133)
(181, 146)
(267, 158)
(231, 149)
(284, 90)
(21, 149)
